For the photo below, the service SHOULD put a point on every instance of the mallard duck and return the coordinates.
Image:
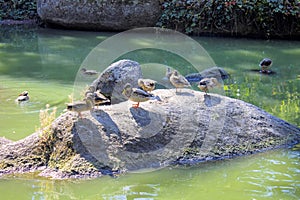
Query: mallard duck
(178, 80)
(23, 96)
(208, 83)
(88, 72)
(98, 97)
(137, 95)
(147, 85)
(82, 106)
(265, 64)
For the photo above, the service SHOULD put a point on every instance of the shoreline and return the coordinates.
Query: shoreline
(38, 23)
(19, 22)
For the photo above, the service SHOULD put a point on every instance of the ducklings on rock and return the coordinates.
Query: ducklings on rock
(178, 81)
(99, 98)
(82, 106)
(208, 83)
(137, 95)
(147, 85)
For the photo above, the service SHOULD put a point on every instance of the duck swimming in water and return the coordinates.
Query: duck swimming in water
(208, 83)
(178, 81)
(147, 85)
(23, 97)
(265, 64)
(137, 95)
(88, 72)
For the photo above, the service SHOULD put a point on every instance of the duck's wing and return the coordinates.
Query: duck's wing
(22, 98)
(76, 106)
(195, 77)
(141, 93)
(183, 80)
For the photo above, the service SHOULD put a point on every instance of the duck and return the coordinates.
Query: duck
(23, 96)
(208, 83)
(137, 95)
(178, 80)
(147, 85)
(88, 72)
(82, 106)
(99, 98)
(168, 72)
(265, 64)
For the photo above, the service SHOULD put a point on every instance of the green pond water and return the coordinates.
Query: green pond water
(46, 62)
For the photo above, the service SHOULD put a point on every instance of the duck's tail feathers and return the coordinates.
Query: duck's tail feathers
(157, 98)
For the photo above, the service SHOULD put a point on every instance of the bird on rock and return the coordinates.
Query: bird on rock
(168, 72)
(147, 85)
(99, 98)
(82, 106)
(178, 81)
(208, 83)
(265, 64)
(137, 95)
(23, 97)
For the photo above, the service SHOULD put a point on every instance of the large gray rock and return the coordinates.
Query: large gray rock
(115, 15)
(112, 80)
(186, 127)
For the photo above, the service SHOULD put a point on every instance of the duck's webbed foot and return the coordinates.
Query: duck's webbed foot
(136, 105)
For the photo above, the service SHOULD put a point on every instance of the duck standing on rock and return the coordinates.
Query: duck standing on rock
(208, 83)
(168, 72)
(23, 97)
(178, 80)
(99, 98)
(137, 95)
(82, 106)
(265, 64)
(147, 85)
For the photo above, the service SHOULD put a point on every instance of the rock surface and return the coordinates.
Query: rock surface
(99, 15)
(186, 127)
(112, 80)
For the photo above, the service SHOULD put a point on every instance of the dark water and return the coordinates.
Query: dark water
(46, 62)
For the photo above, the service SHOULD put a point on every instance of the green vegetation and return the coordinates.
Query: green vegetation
(46, 135)
(18, 9)
(267, 18)
(263, 18)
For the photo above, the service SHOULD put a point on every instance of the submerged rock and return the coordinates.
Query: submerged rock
(186, 127)
(216, 72)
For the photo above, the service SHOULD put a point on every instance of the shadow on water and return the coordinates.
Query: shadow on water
(270, 72)
(45, 53)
